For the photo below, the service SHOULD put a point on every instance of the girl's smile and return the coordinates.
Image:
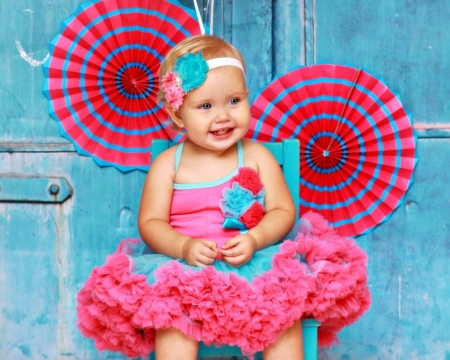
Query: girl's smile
(222, 133)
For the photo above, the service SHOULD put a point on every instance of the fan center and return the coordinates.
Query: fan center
(134, 80)
(325, 152)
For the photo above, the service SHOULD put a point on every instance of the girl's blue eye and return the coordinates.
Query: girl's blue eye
(206, 106)
(234, 101)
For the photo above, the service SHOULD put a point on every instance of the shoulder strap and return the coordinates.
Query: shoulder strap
(240, 153)
(178, 156)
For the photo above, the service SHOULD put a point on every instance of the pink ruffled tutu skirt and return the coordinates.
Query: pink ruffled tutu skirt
(316, 275)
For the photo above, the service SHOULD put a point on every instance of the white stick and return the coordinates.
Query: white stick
(211, 18)
(199, 18)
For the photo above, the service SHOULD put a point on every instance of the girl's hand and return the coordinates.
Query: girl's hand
(199, 252)
(239, 250)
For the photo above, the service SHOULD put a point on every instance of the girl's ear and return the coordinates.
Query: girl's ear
(175, 115)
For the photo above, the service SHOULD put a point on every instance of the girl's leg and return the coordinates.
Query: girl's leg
(289, 346)
(172, 344)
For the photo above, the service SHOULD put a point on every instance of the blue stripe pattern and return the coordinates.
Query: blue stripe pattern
(100, 120)
(48, 86)
(102, 92)
(380, 197)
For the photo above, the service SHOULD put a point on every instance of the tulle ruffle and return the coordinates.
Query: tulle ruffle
(319, 275)
(106, 305)
(340, 294)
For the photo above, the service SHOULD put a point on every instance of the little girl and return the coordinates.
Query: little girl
(211, 265)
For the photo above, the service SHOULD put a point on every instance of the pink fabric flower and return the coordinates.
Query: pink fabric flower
(171, 85)
(249, 179)
(253, 215)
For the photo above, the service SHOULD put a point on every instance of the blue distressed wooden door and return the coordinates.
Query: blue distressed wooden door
(61, 214)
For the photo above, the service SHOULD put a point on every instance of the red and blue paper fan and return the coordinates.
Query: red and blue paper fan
(102, 77)
(356, 142)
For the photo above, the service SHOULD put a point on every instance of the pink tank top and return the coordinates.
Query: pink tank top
(195, 208)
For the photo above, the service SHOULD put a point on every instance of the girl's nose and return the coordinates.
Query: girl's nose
(222, 114)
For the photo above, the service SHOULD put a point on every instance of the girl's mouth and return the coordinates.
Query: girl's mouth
(222, 132)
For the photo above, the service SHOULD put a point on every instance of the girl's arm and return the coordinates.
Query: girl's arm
(154, 209)
(154, 217)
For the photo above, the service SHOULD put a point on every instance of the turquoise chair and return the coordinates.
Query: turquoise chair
(287, 153)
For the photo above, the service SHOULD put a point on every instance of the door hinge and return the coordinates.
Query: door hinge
(34, 188)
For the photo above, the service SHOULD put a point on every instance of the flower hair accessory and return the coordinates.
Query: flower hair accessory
(243, 204)
(188, 74)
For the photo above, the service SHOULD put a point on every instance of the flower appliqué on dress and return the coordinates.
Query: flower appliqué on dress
(188, 74)
(243, 203)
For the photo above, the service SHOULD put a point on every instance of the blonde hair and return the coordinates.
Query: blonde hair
(211, 47)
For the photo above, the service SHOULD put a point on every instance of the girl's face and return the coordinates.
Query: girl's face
(217, 114)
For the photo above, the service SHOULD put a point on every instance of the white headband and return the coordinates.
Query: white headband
(225, 61)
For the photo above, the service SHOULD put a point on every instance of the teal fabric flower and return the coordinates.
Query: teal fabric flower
(236, 201)
(192, 71)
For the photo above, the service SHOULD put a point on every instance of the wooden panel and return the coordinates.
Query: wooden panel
(26, 28)
(30, 297)
(48, 251)
(289, 48)
(402, 41)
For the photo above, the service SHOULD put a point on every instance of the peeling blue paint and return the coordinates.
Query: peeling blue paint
(41, 320)
(16, 316)
(25, 350)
